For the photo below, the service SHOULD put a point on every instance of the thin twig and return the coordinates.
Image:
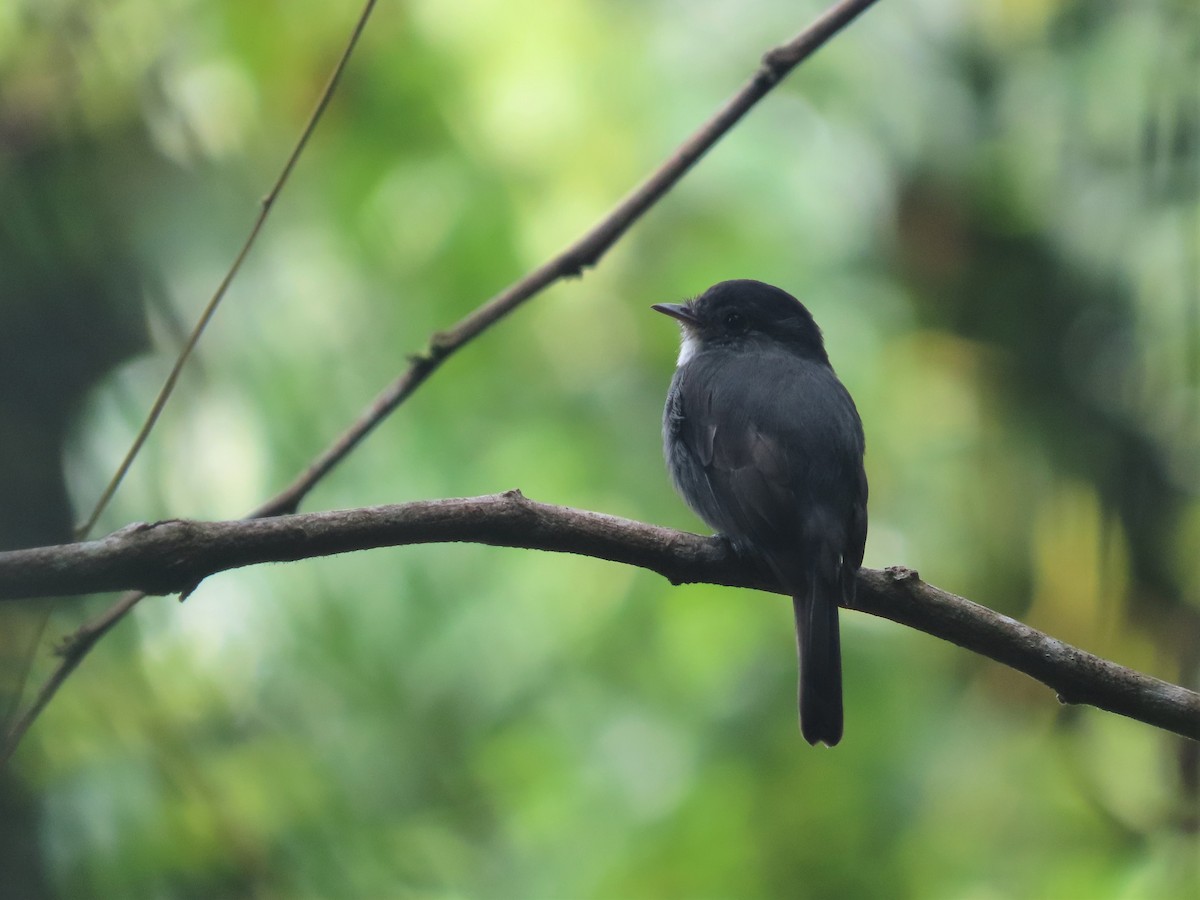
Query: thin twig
(265, 207)
(585, 252)
(169, 556)
(71, 654)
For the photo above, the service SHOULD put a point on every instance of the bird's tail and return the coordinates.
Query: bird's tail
(820, 647)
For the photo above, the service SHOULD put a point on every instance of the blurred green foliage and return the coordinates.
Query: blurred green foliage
(992, 208)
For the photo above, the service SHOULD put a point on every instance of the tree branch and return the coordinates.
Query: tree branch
(174, 555)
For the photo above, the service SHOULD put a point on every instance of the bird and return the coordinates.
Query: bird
(765, 444)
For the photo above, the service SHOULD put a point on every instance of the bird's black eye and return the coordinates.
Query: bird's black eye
(735, 322)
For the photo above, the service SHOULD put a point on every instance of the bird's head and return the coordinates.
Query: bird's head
(743, 314)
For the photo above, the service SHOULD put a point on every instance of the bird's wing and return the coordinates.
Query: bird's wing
(749, 473)
(776, 463)
(856, 542)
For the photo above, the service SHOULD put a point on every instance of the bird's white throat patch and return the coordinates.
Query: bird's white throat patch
(689, 345)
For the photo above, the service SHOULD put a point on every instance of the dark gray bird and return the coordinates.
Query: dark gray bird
(765, 444)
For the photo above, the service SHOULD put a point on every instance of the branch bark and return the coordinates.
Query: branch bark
(171, 556)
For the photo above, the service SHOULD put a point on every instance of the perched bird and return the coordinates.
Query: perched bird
(765, 444)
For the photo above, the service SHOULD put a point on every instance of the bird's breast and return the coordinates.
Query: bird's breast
(689, 346)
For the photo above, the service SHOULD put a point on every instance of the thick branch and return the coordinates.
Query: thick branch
(171, 556)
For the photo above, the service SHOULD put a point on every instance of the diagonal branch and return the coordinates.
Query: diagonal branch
(170, 556)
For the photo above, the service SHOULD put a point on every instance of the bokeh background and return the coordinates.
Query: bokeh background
(993, 209)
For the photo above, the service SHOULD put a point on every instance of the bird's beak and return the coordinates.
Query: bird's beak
(680, 311)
